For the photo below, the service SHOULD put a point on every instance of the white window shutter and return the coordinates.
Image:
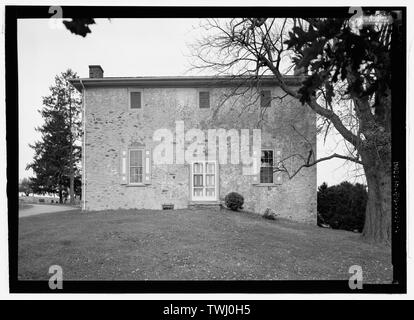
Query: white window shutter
(278, 175)
(147, 166)
(123, 158)
(256, 166)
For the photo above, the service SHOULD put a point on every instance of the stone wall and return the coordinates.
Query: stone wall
(111, 127)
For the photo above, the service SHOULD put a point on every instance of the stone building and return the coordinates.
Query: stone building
(128, 119)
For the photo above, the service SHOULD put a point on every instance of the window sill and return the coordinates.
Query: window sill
(267, 184)
(136, 185)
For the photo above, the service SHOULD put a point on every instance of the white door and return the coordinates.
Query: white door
(204, 181)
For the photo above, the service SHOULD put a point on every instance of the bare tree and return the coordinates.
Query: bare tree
(345, 74)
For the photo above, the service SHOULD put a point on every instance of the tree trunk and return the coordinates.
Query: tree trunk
(60, 195)
(377, 226)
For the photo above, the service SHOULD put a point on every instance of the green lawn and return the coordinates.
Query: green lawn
(190, 245)
(23, 206)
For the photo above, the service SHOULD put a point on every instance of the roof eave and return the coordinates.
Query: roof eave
(182, 82)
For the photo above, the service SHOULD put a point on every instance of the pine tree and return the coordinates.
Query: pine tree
(57, 154)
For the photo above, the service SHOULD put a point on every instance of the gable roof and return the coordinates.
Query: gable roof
(184, 81)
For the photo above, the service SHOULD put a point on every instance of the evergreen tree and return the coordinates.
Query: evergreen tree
(57, 155)
(342, 206)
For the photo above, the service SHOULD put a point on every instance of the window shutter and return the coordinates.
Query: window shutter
(123, 158)
(265, 99)
(135, 100)
(147, 166)
(204, 101)
(256, 166)
(278, 176)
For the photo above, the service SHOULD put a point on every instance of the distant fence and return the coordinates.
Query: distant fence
(43, 199)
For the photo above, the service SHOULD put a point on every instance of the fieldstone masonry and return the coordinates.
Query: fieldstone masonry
(111, 126)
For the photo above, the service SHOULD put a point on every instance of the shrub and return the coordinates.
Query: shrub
(342, 206)
(270, 214)
(234, 201)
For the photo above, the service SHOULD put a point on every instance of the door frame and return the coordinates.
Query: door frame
(216, 180)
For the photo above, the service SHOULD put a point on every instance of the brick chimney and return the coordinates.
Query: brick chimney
(95, 71)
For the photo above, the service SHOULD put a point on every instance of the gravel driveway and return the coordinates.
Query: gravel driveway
(43, 208)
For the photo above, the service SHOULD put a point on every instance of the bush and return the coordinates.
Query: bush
(342, 206)
(234, 201)
(270, 214)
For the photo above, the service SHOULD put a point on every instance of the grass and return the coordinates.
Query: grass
(191, 245)
(23, 206)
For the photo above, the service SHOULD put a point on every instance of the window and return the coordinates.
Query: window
(204, 99)
(198, 179)
(204, 181)
(136, 167)
(265, 98)
(266, 166)
(135, 100)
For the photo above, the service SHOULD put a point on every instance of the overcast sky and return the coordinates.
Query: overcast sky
(123, 47)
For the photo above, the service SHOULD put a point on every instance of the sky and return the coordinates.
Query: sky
(123, 47)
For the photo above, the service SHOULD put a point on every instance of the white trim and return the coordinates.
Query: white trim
(84, 146)
(147, 164)
(124, 166)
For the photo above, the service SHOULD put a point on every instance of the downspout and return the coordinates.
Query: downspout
(84, 146)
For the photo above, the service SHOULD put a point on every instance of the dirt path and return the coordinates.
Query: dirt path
(43, 208)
